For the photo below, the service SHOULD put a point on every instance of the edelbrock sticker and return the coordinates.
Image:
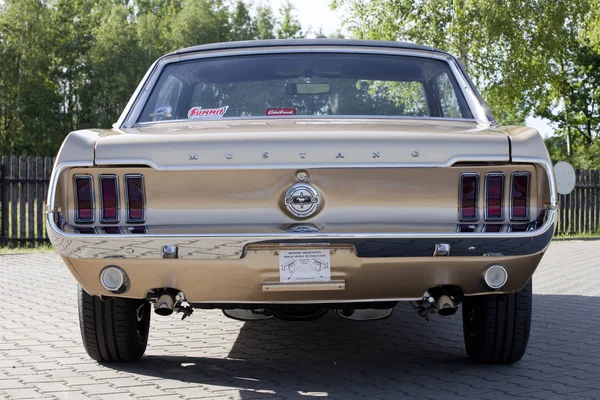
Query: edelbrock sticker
(164, 111)
(207, 113)
(276, 112)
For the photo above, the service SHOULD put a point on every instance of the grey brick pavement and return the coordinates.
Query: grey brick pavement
(211, 357)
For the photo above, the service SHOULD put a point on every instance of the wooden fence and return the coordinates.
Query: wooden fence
(580, 209)
(23, 191)
(24, 187)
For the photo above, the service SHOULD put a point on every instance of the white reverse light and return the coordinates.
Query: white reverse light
(495, 276)
(113, 279)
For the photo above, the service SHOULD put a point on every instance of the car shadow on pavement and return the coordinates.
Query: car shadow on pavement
(402, 355)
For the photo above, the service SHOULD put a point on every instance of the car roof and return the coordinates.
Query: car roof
(305, 42)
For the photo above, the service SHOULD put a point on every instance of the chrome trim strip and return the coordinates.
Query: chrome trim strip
(303, 286)
(295, 166)
(549, 174)
(56, 172)
(310, 301)
(78, 219)
(527, 196)
(502, 175)
(321, 235)
(143, 190)
(460, 197)
(231, 246)
(134, 107)
(100, 190)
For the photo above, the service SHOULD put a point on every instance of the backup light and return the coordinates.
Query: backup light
(495, 276)
(114, 279)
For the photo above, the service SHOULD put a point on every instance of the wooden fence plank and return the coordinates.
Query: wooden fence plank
(596, 182)
(22, 197)
(5, 197)
(39, 196)
(30, 199)
(14, 187)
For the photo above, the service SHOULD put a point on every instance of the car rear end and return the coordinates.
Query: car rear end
(287, 181)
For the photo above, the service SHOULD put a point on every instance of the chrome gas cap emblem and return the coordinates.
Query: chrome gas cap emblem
(302, 200)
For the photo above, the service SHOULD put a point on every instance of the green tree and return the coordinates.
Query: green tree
(29, 102)
(264, 23)
(288, 27)
(242, 27)
(200, 22)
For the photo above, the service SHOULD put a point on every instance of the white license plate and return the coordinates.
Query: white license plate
(304, 265)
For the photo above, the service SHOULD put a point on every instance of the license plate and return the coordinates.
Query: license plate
(304, 265)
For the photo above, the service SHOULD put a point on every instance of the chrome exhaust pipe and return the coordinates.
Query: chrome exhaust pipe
(164, 305)
(445, 305)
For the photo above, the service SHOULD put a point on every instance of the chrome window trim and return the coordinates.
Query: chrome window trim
(460, 200)
(527, 196)
(126, 177)
(485, 194)
(266, 120)
(103, 220)
(78, 219)
(133, 109)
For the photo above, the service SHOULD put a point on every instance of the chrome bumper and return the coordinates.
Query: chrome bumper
(224, 246)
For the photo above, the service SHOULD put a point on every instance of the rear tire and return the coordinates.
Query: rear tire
(113, 329)
(496, 327)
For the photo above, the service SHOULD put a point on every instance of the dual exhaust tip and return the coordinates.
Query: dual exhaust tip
(164, 305)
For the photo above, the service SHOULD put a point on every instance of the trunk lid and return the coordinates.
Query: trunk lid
(294, 143)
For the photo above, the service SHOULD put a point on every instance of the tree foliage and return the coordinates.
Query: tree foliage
(73, 64)
(529, 57)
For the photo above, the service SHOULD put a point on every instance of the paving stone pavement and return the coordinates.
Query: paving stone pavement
(211, 357)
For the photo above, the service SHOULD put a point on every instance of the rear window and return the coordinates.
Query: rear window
(305, 84)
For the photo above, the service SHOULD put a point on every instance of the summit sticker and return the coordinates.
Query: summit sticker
(207, 113)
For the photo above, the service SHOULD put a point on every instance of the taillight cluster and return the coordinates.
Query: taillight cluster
(494, 199)
(110, 210)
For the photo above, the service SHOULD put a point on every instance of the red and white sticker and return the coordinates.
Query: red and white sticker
(277, 112)
(207, 113)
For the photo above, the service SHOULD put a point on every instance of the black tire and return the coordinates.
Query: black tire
(496, 327)
(113, 329)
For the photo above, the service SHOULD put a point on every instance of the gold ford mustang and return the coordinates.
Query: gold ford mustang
(291, 178)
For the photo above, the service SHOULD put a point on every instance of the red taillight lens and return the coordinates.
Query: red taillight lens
(519, 196)
(109, 195)
(467, 228)
(84, 199)
(137, 230)
(134, 190)
(112, 230)
(469, 189)
(492, 228)
(494, 193)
